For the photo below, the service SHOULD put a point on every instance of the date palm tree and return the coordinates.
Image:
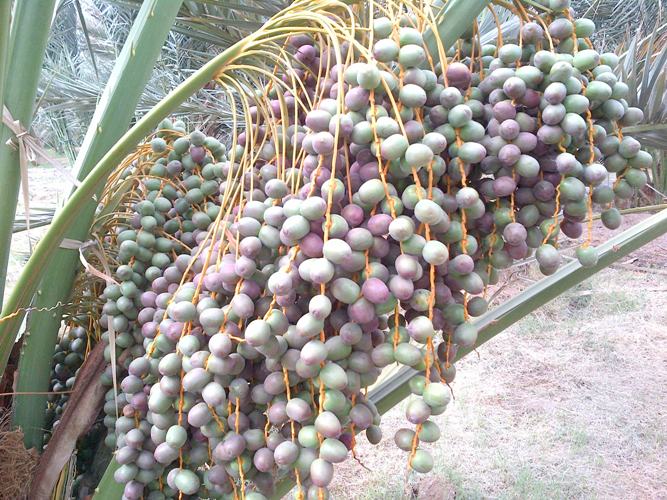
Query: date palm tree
(102, 88)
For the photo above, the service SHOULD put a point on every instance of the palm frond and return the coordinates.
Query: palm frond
(39, 217)
(218, 22)
(615, 19)
(84, 28)
(644, 69)
(488, 28)
(74, 78)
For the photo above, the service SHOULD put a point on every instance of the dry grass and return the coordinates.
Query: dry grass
(16, 463)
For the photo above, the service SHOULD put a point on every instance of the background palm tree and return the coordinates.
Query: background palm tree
(83, 48)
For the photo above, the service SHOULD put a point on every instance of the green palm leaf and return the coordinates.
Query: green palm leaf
(29, 35)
